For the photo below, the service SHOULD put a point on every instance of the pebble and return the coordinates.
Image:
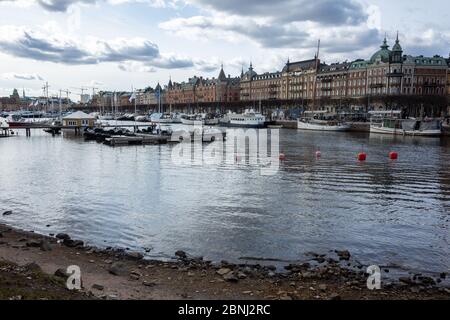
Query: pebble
(223, 271)
(322, 287)
(63, 236)
(117, 269)
(7, 213)
(335, 296)
(230, 277)
(181, 254)
(135, 255)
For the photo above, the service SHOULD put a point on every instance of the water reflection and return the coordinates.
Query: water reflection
(383, 211)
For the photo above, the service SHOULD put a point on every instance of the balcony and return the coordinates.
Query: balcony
(376, 85)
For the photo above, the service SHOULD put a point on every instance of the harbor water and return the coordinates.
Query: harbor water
(384, 212)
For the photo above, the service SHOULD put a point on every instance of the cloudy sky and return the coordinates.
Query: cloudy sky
(117, 44)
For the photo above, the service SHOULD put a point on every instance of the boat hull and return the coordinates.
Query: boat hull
(243, 125)
(401, 132)
(322, 127)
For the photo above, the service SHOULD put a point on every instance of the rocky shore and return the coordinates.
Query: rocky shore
(34, 266)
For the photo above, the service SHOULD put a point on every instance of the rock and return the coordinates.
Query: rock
(135, 255)
(406, 280)
(98, 287)
(7, 213)
(223, 271)
(230, 277)
(73, 243)
(241, 275)
(61, 273)
(1, 235)
(62, 236)
(319, 259)
(322, 287)
(134, 276)
(45, 246)
(343, 255)
(117, 269)
(443, 275)
(181, 254)
(335, 296)
(33, 244)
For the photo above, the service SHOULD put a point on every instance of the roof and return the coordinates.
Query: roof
(79, 115)
(334, 67)
(383, 55)
(300, 65)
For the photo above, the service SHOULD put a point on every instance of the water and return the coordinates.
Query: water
(382, 211)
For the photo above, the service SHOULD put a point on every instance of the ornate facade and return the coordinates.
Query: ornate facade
(203, 90)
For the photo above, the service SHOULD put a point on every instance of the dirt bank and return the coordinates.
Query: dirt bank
(28, 263)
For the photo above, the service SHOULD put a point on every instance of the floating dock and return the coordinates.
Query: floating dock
(138, 139)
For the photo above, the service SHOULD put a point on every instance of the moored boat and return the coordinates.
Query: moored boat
(248, 119)
(407, 127)
(322, 125)
(191, 119)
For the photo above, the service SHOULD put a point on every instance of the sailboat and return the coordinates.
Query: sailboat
(318, 121)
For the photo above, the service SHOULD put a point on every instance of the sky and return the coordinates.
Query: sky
(125, 44)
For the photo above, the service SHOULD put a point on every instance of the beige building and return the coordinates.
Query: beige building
(79, 119)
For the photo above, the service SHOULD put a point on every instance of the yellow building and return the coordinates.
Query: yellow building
(79, 119)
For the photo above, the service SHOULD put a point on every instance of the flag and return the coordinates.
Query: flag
(133, 97)
(36, 103)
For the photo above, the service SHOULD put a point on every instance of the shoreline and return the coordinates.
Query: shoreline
(121, 274)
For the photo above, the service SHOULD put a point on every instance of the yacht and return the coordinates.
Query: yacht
(248, 119)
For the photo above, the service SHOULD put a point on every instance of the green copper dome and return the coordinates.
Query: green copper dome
(383, 54)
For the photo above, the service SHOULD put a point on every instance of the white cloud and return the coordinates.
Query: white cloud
(22, 76)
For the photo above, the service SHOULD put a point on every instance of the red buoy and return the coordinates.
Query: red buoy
(362, 156)
(318, 154)
(282, 156)
(393, 155)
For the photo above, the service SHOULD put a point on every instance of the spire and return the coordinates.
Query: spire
(384, 45)
(170, 82)
(222, 76)
(242, 71)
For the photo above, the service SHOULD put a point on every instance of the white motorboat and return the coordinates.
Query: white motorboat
(321, 125)
(248, 119)
(192, 119)
(407, 127)
(107, 116)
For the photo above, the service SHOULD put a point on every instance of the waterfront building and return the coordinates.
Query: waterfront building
(202, 90)
(79, 119)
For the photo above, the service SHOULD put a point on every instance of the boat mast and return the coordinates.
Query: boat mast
(315, 76)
